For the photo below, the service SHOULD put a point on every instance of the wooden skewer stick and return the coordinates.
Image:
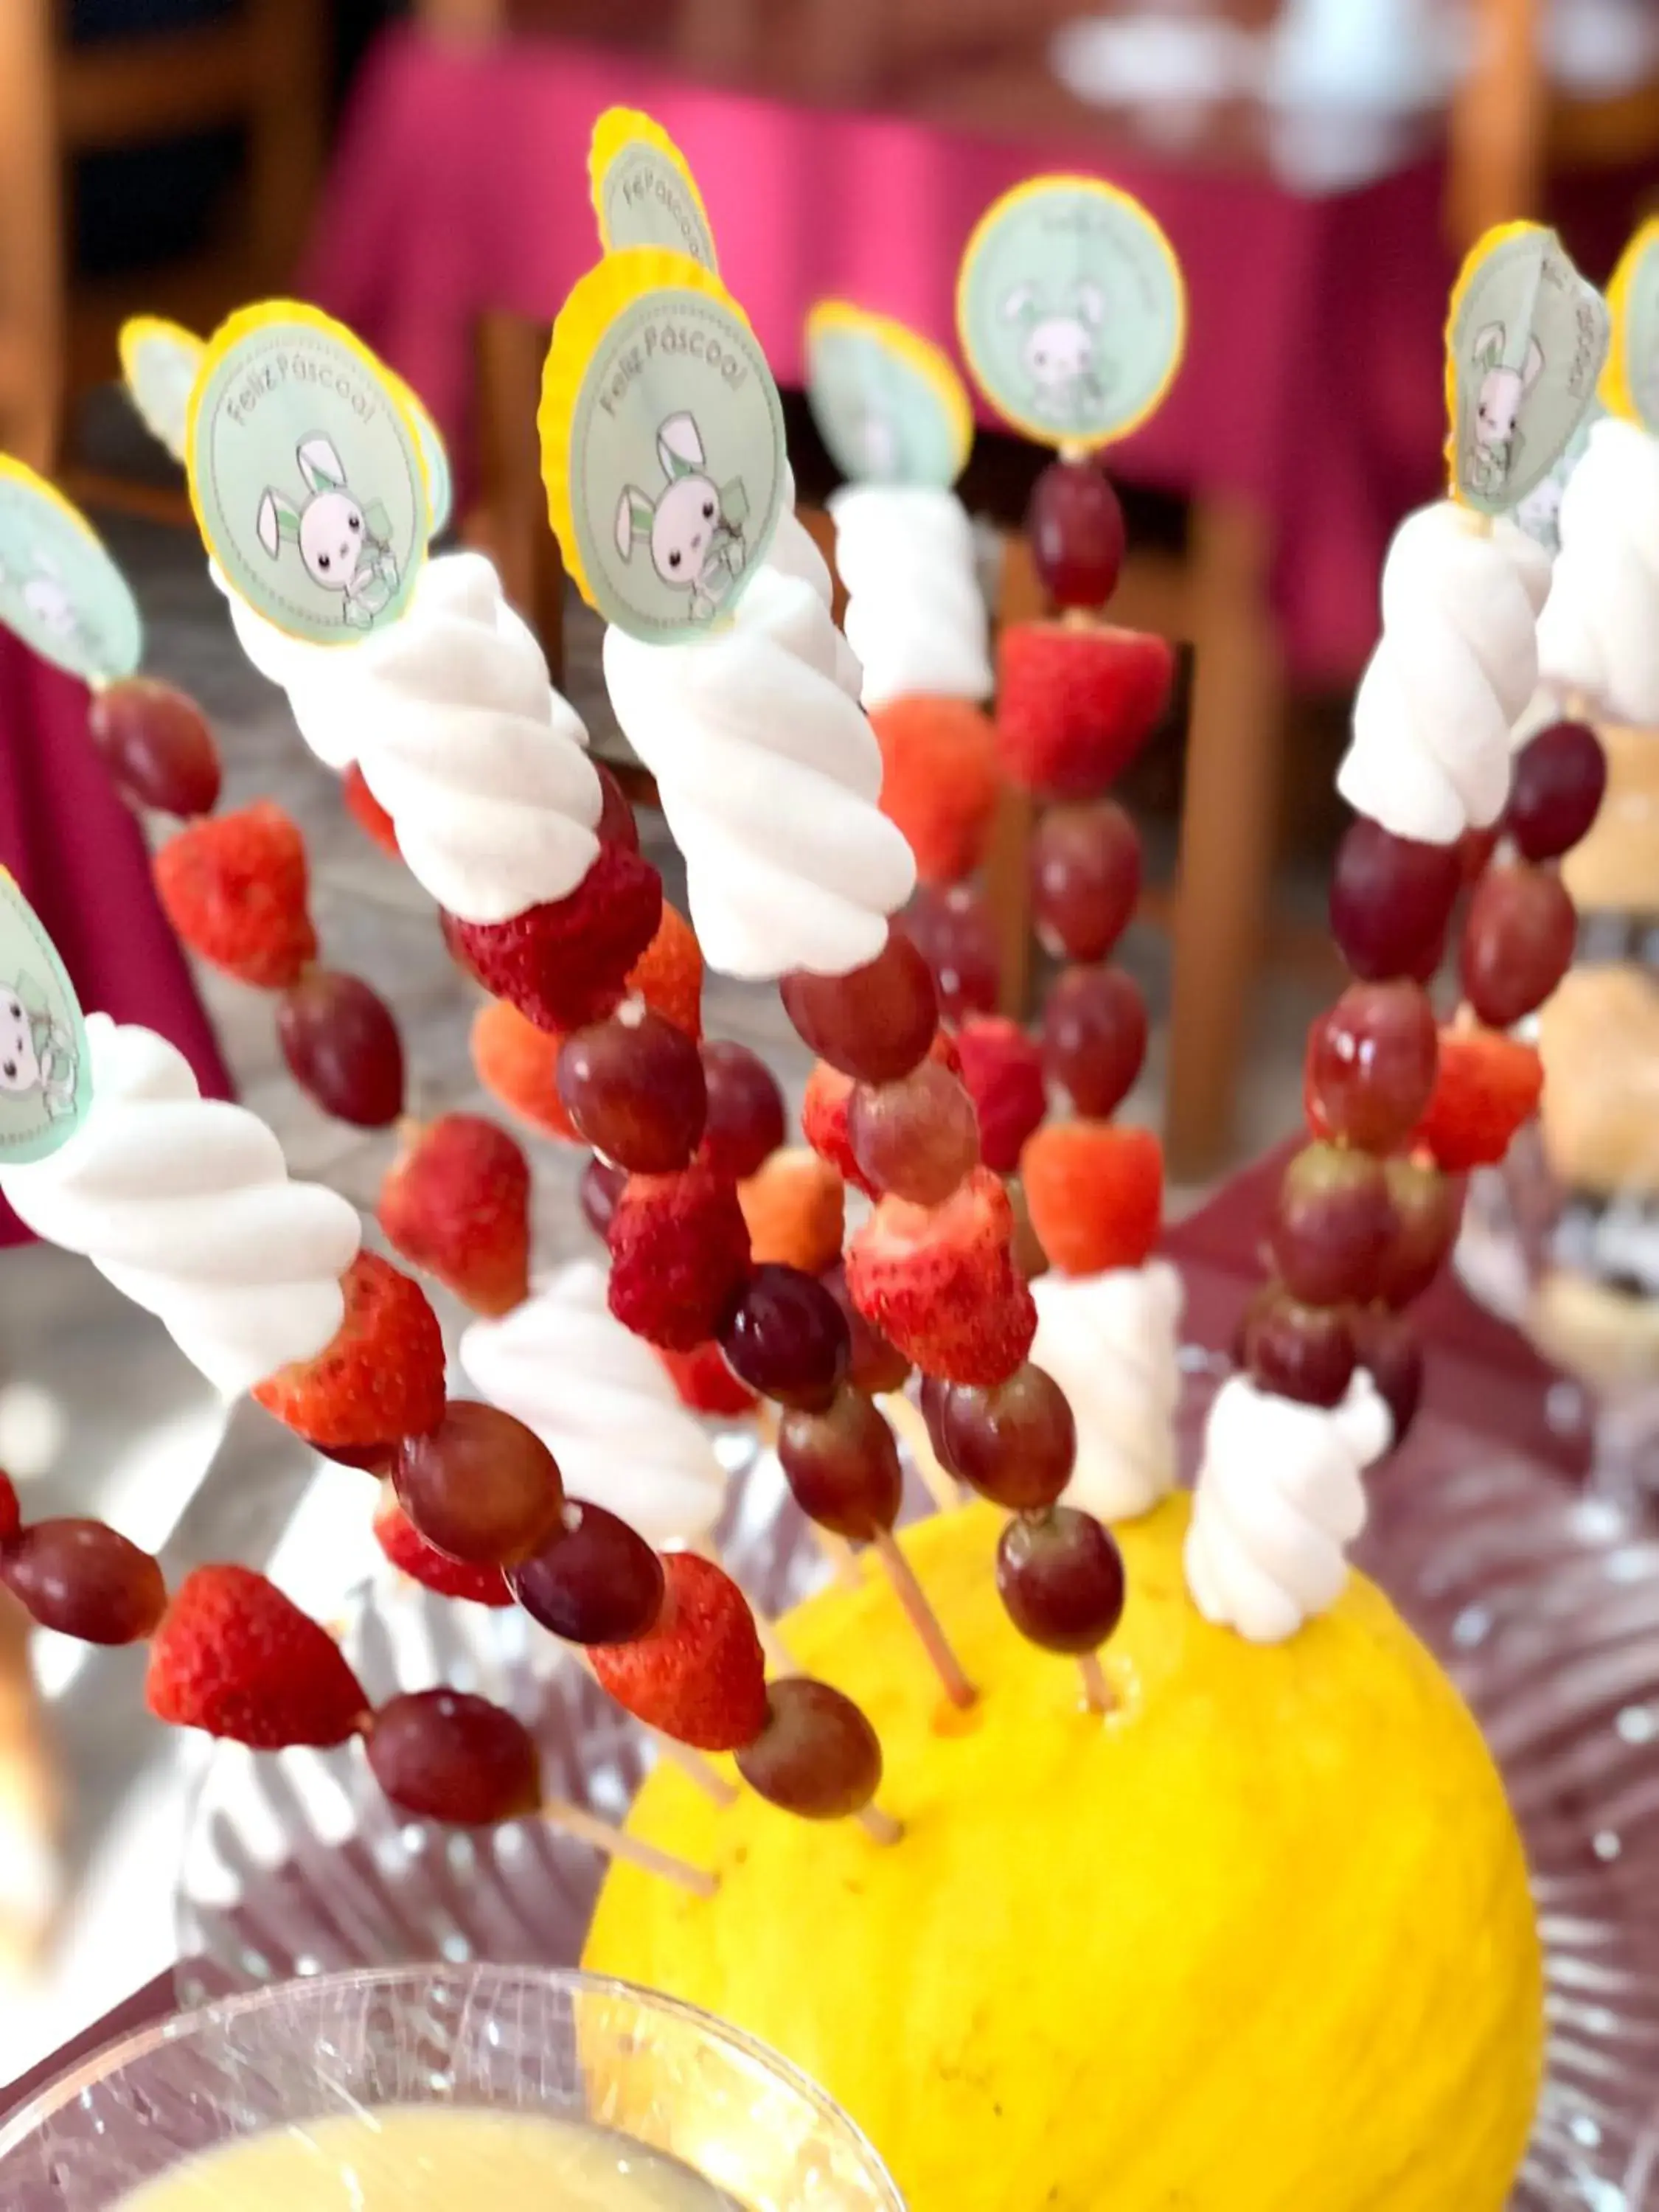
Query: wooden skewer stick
(834, 1548)
(911, 1428)
(588, 1828)
(880, 1827)
(778, 1655)
(1097, 1693)
(922, 1617)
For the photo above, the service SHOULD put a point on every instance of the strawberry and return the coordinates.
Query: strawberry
(234, 886)
(940, 782)
(1076, 701)
(11, 1515)
(423, 1563)
(1095, 1194)
(380, 1379)
(824, 1124)
(706, 1383)
(794, 1208)
(232, 1656)
(517, 1064)
(566, 962)
(1003, 1070)
(368, 812)
(699, 1675)
(668, 974)
(456, 1203)
(940, 1284)
(679, 1251)
(1486, 1086)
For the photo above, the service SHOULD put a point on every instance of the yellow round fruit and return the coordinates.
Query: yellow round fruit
(1261, 1939)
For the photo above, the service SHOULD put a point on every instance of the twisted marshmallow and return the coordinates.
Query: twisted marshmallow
(1455, 665)
(794, 552)
(185, 1204)
(602, 1402)
(1599, 634)
(1110, 1340)
(915, 615)
(1278, 1502)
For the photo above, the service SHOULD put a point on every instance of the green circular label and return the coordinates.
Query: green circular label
(161, 362)
(45, 1068)
(306, 476)
(1072, 310)
(59, 589)
(883, 410)
(646, 200)
(676, 465)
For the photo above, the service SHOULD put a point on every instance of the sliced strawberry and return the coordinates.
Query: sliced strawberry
(679, 1251)
(567, 961)
(1002, 1068)
(824, 1123)
(381, 1379)
(233, 1656)
(423, 1563)
(1486, 1087)
(367, 811)
(1076, 701)
(517, 1064)
(11, 1518)
(940, 782)
(1095, 1193)
(235, 887)
(795, 1206)
(699, 1675)
(668, 974)
(456, 1203)
(707, 1384)
(940, 1284)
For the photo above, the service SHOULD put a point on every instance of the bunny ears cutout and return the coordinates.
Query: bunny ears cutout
(680, 450)
(1487, 352)
(321, 469)
(1026, 304)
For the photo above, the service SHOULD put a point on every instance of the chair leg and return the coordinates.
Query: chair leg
(1235, 739)
(513, 517)
(288, 131)
(32, 306)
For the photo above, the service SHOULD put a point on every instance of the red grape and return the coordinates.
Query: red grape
(1390, 1352)
(842, 1466)
(875, 1024)
(1304, 1352)
(157, 746)
(1094, 1037)
(1016, 1441)
(874, 1365)
(633, 1087)
(11, 1516)
(955, 934)
(1560, 781)
(1060, 1578)
(916, 1137)
(933, 1395)
(600, 1186)
(1474, 849)
(1371, 1063)
(84, 1580)
(1086, 878)
(1391, 902)
(1428, 1210)
(785, 1337)
(617, 825)
(746, 1123)
(593, 1580)
(1332, 1226)
(1518, 941)
(480, 1485)
(818, 1756)
(448, 1756)
(342, 1046)
(1027, 1252)
(1074, 526)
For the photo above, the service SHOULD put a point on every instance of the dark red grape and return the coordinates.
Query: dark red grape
(1015, 1442)
(1074, 526)
(633, 1087)
(1560, 781)
(842, 1466)
(448, 1756)
(157, 746)
(11, 1516)
(1304, 1352)
(874, 1025)
(1428, 1212)
(817, 1757)
(746, 1123)
(599, 1188)
(1391, 1353)
(1094, 1037)
(955, 934)
(481, 1485)
(933, 1393)
(1391, 902)
(874, 1365)
(785, 1337)
(1086, 878)
(617, 825)
(342, 1046)
(1518, 940)
(1371, 1063)
(1060, 1578)
(85, 1580)
(594, 1580)
(916, 1137)
(1332, 1226)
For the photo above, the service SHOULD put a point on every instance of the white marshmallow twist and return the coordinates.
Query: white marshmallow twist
(1111, 1342)
(1599, 633)
(916, 614)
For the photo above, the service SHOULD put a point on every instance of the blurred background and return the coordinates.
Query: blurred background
(419, 170)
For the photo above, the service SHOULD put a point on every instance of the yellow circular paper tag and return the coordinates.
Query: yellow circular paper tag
(1629, 382)
(161, 361)
(1072, 310)
(434, 454)
(662, 444)
(59, 589)
(889, 405)
(644, 192)
(306, 474)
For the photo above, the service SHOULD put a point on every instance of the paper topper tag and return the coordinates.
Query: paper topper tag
(1540, 513)
(889, 406)
(434, 455)
(662, 444)
(59, 589)
(305, 474)
(1526, 339)
(1629, 382)
(1072, 310)
(46, 1068)
(644, 192)
(160, 360)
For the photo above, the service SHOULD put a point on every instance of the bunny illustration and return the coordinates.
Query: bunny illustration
(1061, 349)
(693, 528)
(1498, 407)
(36, 1052)
(47, 597)
(343, 541)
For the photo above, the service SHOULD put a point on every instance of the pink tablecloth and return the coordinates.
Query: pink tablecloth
(1312, 382)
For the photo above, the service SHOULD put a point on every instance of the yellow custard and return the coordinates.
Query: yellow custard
(434, 2158)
